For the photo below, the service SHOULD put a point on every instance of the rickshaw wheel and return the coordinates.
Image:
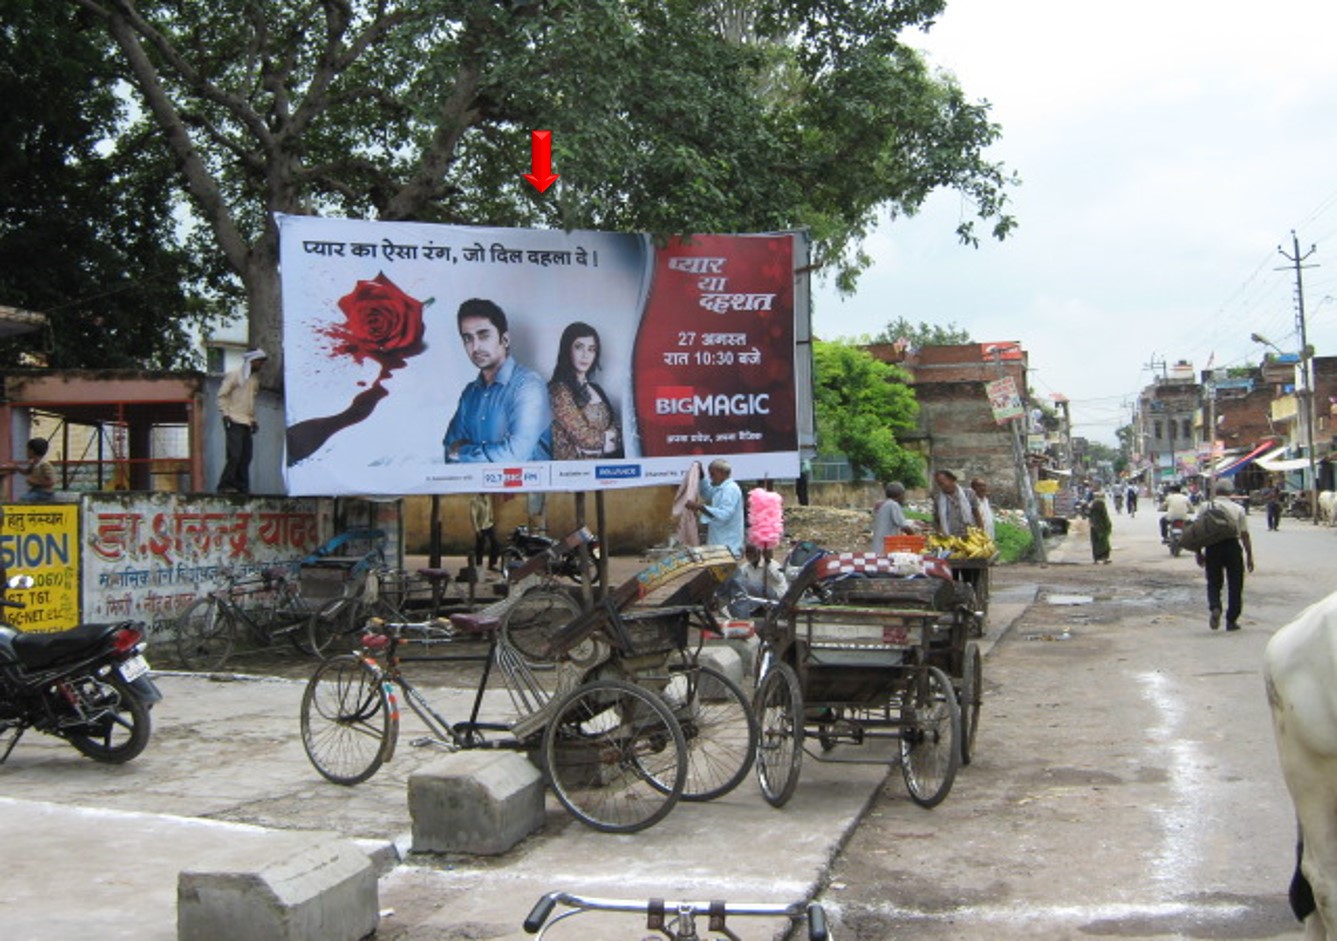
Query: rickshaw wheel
(719, 728)
(972, 695)
(779, 710)
(615, 756)
(930, 736)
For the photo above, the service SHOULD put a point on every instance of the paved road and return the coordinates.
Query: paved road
(1126, 785)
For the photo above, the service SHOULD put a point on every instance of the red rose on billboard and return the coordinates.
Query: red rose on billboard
(382, 324)
(381, 319)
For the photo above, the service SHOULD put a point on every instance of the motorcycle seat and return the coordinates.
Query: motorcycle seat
(38, 650)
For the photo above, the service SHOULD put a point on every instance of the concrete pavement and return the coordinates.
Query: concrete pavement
(95, 850)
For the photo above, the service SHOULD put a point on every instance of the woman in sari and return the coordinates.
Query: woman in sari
(1101, 527)
(583, 424)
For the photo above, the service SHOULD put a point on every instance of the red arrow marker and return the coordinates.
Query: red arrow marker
(540, 173)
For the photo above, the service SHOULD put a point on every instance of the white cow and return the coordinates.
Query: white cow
(1300, 667)
(1327, 506)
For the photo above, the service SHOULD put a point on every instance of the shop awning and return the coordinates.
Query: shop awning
(1228, 466)
(1273, 461)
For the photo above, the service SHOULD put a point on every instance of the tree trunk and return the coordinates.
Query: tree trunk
(261, 279)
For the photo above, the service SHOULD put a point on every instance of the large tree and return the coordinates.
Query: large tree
(668, 116)
(860, 403)
(87, 231)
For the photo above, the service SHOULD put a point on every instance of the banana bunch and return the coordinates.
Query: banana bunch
(976, 544)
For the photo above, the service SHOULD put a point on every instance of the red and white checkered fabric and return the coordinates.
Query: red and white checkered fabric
(870, 563)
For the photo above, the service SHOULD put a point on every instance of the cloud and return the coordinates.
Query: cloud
(1166, 149)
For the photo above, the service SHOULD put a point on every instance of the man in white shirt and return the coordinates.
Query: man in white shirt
(755, 579)
(1177, 507)
(1226, 561)
(985, 507)
(236, 403)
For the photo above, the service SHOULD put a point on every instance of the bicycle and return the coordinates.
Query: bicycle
(612, 751)
(209, 628)
(676, 920)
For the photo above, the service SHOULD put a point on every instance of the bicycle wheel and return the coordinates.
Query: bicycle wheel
(332, 629)
(930, 736)
(972, 695)
(615, 756)
(531, 622)
(349, 720)
(720, 730)
(204, 634)
(779, 713)
(291, 617)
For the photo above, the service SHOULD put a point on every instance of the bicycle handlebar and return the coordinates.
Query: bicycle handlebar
(717, 911)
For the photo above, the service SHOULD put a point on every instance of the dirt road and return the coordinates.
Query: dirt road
(1126, 783)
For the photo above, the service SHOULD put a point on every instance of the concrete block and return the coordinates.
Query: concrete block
(318, 890)
(477, 802)
(733, 658)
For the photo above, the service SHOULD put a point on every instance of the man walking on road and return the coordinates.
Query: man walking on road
(1226, 560)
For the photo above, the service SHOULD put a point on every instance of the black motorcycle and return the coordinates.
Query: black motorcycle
(89, 685)
(565, 559)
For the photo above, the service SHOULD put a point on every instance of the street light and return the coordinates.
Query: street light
(1307, 403)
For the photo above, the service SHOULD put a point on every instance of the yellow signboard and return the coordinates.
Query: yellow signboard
(42, 540)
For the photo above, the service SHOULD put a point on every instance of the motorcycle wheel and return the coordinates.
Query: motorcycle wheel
(120, 731)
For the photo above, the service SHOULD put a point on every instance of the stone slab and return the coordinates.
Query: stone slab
(478, 802)
(320, 889)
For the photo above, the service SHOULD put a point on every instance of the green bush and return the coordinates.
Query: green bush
(1014, 542)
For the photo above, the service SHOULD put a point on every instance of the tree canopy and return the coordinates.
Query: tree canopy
(860, 404)
(923, 334)
(87, 233)
(668, 116)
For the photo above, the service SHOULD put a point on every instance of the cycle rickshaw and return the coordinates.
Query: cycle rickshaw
(856, 652)
(610, 702)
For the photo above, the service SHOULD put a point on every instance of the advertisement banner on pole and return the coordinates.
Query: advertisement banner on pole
(423, 358)
(1004, 400)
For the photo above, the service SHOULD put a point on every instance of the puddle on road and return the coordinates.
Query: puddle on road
(1068, 600)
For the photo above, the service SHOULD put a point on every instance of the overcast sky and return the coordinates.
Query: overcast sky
(1166, 149)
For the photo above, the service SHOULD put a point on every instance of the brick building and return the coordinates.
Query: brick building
(957, 430)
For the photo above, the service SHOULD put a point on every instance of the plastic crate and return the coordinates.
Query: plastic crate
(903, 543)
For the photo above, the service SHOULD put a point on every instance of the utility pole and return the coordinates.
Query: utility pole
(1306, 363)
(1210, 430)
(1164, 386)
(1024, 488)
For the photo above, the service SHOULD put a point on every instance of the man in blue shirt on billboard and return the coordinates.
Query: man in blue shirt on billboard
(503, 415)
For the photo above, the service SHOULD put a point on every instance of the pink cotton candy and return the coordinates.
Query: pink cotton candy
(765, 510)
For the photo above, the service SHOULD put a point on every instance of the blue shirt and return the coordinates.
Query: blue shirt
(504, 420)
(724, 514)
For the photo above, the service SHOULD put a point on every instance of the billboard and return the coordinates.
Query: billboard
(423, 358)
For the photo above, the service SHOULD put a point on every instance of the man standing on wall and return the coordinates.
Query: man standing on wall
(236, 403)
